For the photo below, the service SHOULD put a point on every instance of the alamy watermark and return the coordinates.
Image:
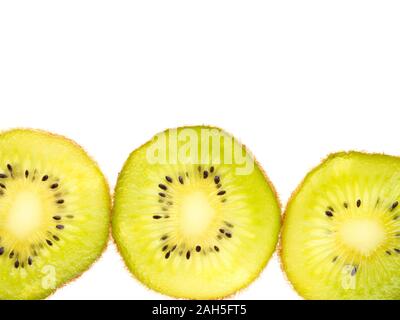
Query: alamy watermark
(49, 278)
(200, 147)
(349, 280)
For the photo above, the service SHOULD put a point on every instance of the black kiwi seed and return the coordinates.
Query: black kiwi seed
(61, 201)
(229, 235)
(205, 174)
(395, 217)
(354, 271)
(57, 217)
(222, 230)
(217, 179)
(59, 226)
(188, 255)
(335, 259)
(11, 255)
(211, 169)
(180, 180)
(164, 237)
(157, 217)
(169, 179)
(397, 250)
(358, 203)
(56, 238)
(163, 187)
(45, 177)
(161, 194)
(30, 261)
(345, 205)
(329, 213)
(173, 248)
(3, 176)
(394, 205)
(164, 248)
(388, 252)
(198, 248)
(1, 250)
(331, 209)
(228, 224)
(167, 255)
(16, 264)
(221, 193)
(49, 242)
(10, 168)
(216, 248)
(2, 186)
(26, 173)
(54, 186)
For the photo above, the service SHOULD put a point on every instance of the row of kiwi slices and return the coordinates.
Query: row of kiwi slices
(194, 216)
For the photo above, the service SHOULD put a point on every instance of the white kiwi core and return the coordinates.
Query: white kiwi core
(362, 235)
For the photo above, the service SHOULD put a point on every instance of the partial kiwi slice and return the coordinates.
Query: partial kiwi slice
(341, 234)
(194, 215)
(54, 213)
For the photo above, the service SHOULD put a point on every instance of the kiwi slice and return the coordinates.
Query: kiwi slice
(341, 234)
(54, 213)
(194, 215)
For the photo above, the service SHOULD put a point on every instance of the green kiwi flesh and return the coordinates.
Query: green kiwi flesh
(341, 233)
(54, 213)
(191, 219)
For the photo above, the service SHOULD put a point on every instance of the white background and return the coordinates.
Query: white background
(294, 80)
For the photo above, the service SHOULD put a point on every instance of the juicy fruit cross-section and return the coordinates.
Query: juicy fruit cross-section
(341, 233)
(54, 213)
(194, 215)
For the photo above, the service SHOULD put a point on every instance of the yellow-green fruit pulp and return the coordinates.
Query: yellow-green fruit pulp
(194, 215)
(54, 213)
(341, 233)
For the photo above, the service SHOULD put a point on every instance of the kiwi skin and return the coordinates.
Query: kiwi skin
(262, 266)
(105, 184)
(294, 193)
